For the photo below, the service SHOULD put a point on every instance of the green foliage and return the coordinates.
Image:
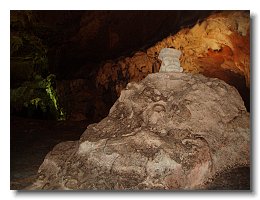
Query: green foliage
(38, 94)
(25, 44)
(22, 19)
(30, 49)
(16, 43)
(29, 56)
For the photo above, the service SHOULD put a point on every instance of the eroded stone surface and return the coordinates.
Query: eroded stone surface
(170, 131)
(170, 60)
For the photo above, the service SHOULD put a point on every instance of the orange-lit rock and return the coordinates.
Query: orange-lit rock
(221, 41)
(119, 73)
(217, 47)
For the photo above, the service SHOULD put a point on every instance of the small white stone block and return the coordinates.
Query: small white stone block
(170, 60)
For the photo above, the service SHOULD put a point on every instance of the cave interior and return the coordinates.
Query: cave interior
(56, 57)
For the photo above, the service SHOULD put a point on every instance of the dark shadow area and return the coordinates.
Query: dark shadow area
(234, 179)
(31, 140)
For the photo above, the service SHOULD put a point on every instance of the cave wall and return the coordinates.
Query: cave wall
(94, 54)
(95, 36)
(72, 45)
(217, 47)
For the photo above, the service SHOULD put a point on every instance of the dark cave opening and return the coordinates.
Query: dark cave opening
(72, 45)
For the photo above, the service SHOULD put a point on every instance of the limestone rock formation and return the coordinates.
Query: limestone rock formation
(171, 131)
(170, 60)
(222, 41)
(217, 47)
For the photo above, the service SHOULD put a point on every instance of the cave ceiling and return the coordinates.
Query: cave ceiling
(94, 54)
(82, 39)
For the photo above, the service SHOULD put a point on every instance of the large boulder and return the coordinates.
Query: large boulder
(170, 131)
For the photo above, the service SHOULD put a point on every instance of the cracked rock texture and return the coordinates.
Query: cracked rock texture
(218, 47)
(170, 131)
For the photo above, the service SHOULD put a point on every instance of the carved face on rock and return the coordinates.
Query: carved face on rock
(171, 131)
